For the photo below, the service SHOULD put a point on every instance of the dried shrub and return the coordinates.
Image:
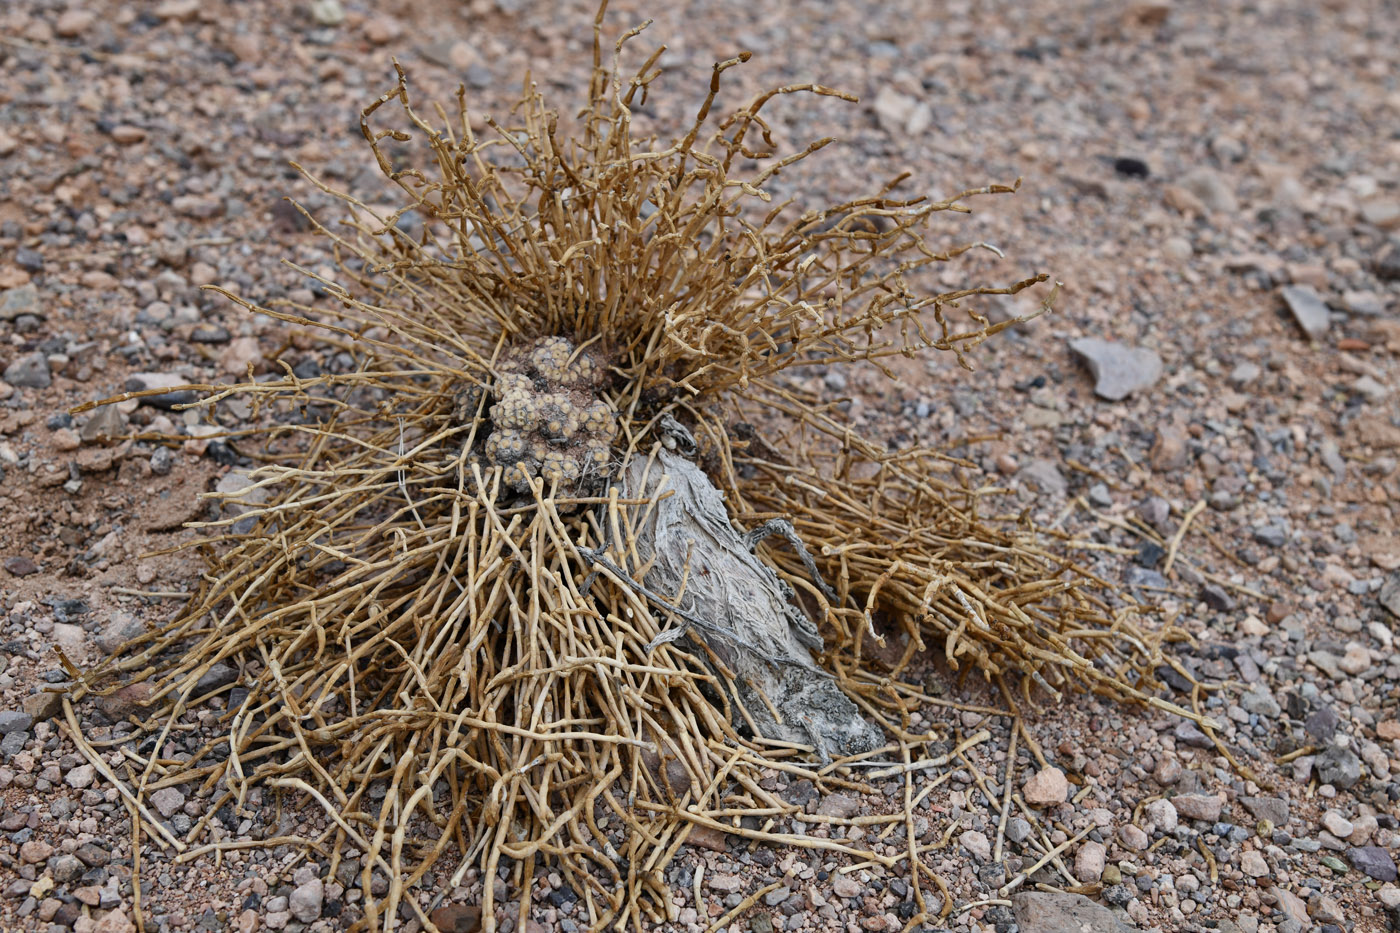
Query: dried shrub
(438, 598)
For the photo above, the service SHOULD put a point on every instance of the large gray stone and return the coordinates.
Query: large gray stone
(105, 424)
(1308, 309)
(1372, 861)
(1339, 767)
(1118, 370)
(1390, 593)
(1045, 476)
(14, 721)
(1053, 912)
(17, 301)
(1258, 700)
(30, 371)
(218, 675)
(168, 801)
(1273, 809)
(119, 629)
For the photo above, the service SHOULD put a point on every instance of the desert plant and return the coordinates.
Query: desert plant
(526, 584)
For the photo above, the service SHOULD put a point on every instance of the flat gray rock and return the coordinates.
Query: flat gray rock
(1045, 475)
(1373, 861)
(1214, 191)
(1339, 767)
(1273, 809)
(218, 675)
(30, 371)
(1053, 912)
(14, 721)
(1308, 309)
(1118, 370)
(1390, 594)
(17, 301)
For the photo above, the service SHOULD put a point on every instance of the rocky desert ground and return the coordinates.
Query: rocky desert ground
(1211, 408)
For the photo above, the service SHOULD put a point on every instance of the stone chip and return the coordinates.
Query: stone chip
(1054, 912)
(1118, 370)
(1308, 309)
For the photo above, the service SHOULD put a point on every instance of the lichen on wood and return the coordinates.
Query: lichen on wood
(721, 595)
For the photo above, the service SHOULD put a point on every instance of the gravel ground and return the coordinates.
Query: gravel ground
(1216, 185)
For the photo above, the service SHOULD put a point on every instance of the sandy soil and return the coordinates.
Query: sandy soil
(1215, 184)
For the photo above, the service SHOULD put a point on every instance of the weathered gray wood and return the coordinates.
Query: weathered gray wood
(739, 607)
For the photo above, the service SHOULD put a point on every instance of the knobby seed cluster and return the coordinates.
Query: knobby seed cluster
(548, 420)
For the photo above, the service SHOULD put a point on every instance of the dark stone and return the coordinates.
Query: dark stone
(287, 219)
(1372, 861)
(13, 721)
(1139, 576)
(20, 566)
(1321, 724)
(800, 793)
(1187, 733)
(479, 77)
(162, 460)
(29, 260)
(1388, 265)
(68, 610)
(1150, 554)
(30, 371)
(1339, 767)
(219, 675)
(166, 401)
(307, 369)
(66, 868)
(1130, 167)
(1174, 679)
(1273, 809)
(1216, 598)
(224, 455)
(1001, 917)
(1390, 594)
(92, 855)
(209, 333)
